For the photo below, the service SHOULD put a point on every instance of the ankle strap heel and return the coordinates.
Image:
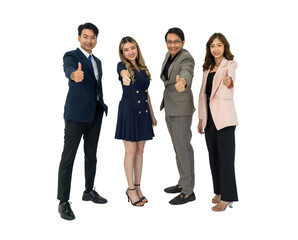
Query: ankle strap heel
(137, 203)
(143, 199)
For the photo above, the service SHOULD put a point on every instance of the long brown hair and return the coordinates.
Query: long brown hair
(209, 59)
(139, 59)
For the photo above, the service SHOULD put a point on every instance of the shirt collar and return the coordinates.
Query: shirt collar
(170, 59)
(85, 52)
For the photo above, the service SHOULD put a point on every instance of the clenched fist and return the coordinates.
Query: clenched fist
(227, 81)
(180, 85)
(126, 78)
(200, 126)
(78, 75)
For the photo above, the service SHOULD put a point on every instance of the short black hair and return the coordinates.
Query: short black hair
(88, 26)
(177, 31)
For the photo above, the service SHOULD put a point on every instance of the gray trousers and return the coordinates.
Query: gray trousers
(179, 129)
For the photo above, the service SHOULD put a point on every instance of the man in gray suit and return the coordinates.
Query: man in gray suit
(177, 74)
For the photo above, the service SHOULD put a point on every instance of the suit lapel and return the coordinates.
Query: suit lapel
(173, 64)
(171, 69)
(205, 80)
(163, 66)
(218, 76)
(86, 61)
(98, 63)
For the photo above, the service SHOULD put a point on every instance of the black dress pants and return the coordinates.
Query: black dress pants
(221, 148)
(72, 136)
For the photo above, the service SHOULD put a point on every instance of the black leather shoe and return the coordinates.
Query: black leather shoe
(65, 211)
(94, 197)
(173, 189)
(180, 199)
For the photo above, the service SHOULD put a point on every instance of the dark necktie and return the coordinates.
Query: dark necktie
(89, 58)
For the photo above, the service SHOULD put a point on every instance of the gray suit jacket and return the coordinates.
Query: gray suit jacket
(178, 103)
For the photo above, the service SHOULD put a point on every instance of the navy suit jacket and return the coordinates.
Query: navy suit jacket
(81, 100)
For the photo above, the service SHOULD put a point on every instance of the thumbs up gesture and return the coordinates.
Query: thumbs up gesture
(180, 84)
(227, 81)
(126, 78)
(78, 75)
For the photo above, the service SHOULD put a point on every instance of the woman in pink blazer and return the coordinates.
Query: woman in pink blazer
(217, 117)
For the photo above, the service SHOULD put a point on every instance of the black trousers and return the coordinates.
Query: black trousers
(221, 148)
(72, 136)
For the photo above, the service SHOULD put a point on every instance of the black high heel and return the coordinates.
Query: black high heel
(143, 199)
(135, 203)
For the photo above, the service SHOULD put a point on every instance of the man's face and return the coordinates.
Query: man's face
(87, 40)
(174, 43)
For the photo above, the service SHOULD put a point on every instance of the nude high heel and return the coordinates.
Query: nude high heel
(230, 204)
(216, 199)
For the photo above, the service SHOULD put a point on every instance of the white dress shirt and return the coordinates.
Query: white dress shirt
(93, 62)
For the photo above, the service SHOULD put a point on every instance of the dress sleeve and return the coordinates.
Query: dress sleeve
(120, 67)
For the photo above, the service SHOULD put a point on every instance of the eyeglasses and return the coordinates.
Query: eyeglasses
(173, 42)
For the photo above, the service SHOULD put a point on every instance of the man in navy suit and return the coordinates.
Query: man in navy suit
(83, 114)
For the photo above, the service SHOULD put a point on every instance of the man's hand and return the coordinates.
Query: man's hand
(180, 85)
(78, 75)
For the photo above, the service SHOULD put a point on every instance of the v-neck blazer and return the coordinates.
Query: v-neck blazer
(82, 97)
(178, 103)
(222, 105)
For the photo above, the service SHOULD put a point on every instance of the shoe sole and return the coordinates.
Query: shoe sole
(87, 199)
(182, 203)
(68, 219)
(172, 192)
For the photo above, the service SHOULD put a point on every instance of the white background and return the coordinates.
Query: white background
(34, 37)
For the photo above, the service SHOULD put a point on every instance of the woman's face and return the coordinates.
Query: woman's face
(130, 51)
(217, 49)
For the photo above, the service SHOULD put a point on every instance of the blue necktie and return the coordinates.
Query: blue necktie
(89, 58)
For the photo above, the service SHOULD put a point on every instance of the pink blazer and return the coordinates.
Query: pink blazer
(222, 98)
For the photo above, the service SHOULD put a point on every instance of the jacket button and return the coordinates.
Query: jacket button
(146, 111)
(146, 101)
(146, 90)
(137, 91)
(139, 101)
(140, 112)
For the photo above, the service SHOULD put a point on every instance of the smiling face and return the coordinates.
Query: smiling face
(174, 43)
(87, 40)
(130, 51)
(217, 49)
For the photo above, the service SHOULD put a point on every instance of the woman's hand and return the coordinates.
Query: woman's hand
(200, 127)
(154, 121)
(125, 78)
(227, 81)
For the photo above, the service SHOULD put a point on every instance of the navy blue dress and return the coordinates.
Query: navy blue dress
(134, 120)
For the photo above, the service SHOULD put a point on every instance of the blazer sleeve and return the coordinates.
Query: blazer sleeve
(187, 69)
(202, 96)
(232, 66)
(70, 64)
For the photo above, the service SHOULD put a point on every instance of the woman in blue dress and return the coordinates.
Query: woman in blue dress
(135, 115)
